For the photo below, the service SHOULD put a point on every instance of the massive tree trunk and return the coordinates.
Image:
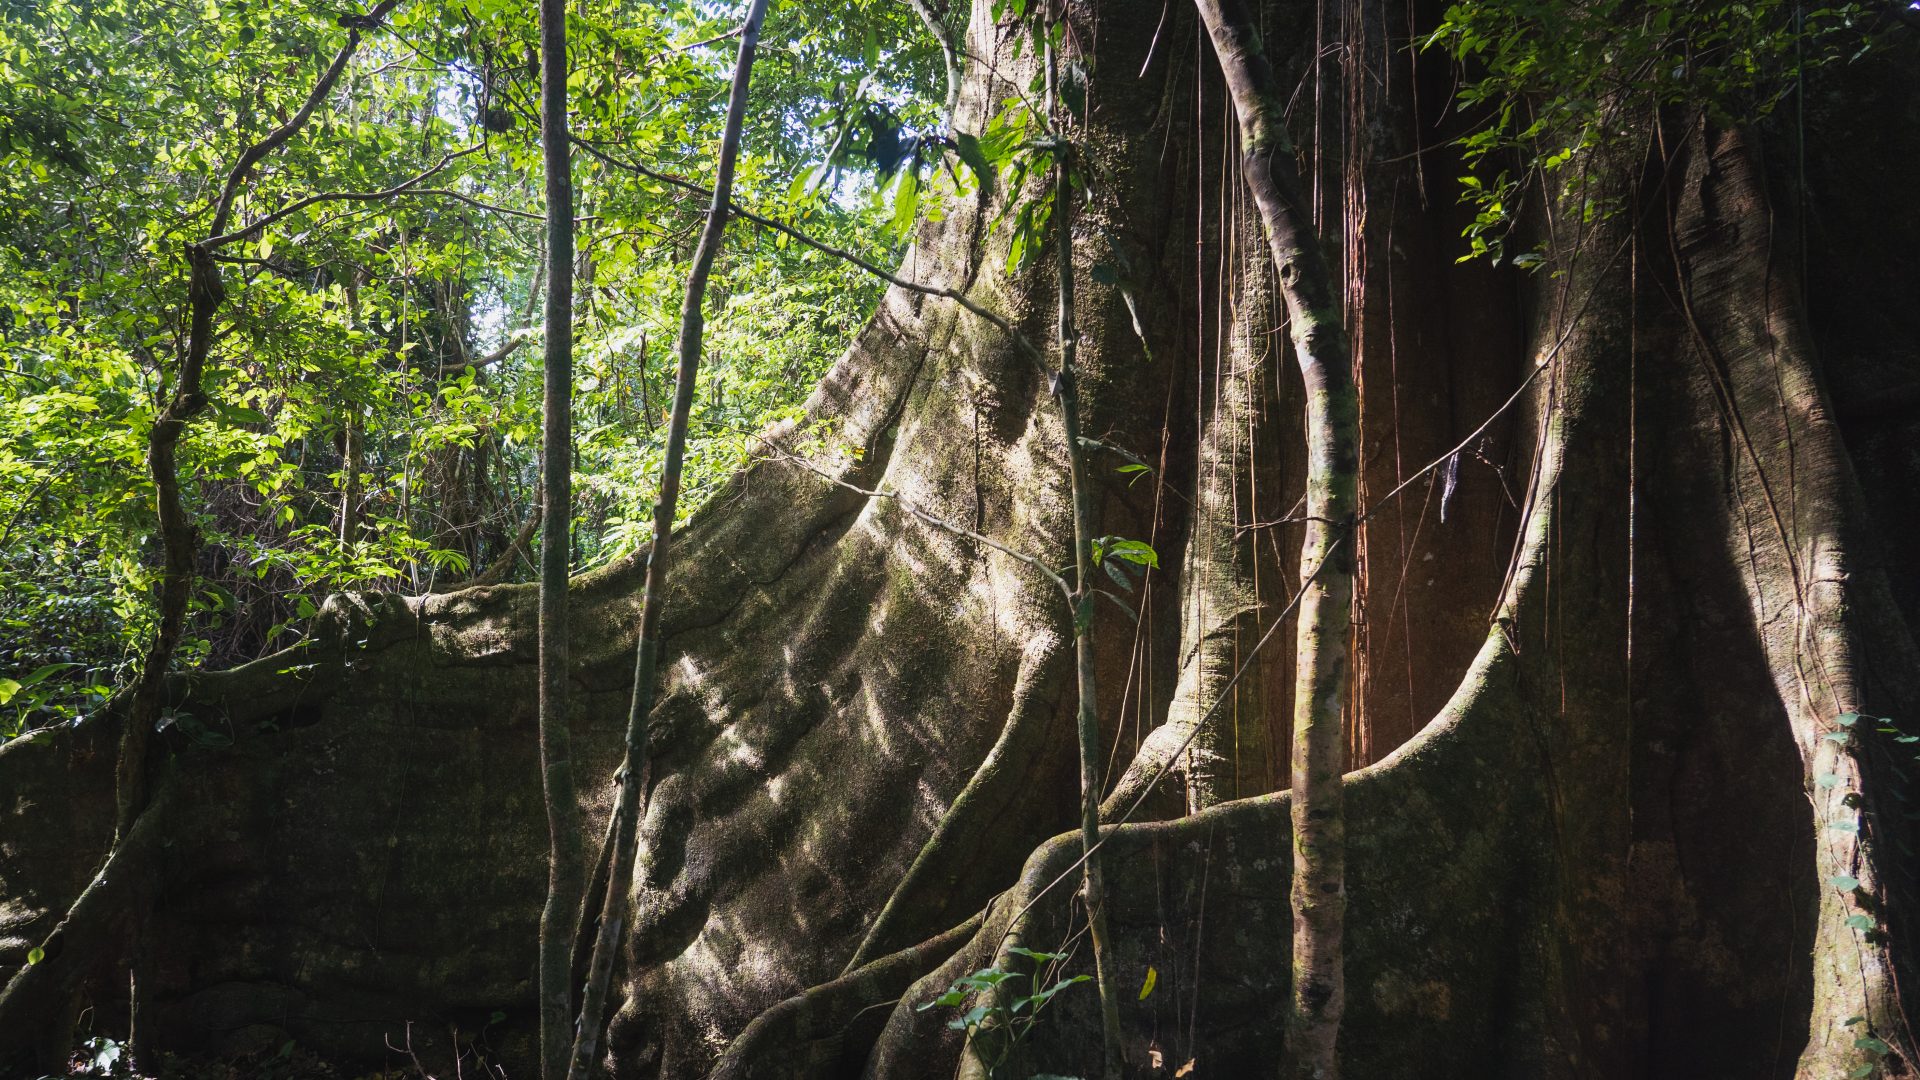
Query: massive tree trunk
(1609, 655)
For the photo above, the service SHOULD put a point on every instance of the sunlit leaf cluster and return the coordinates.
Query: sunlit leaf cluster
(1554, 84)
(374, 390)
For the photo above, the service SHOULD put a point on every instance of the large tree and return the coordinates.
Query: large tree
(1632, 608)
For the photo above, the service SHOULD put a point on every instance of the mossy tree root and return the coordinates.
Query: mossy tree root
(943, 861)
(36, 1014)
(807, 1035)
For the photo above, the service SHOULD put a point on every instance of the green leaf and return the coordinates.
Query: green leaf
(1827, 780)
(1134, 551)
(1844, 882)
(1041, 998)
(950, 998)
(1860, 922)
(906, 200)
(1017, 250)
(1153, 978)
(1131, 615)
(1847, 719)
(36, 954)
(40, 674)
(1073, 88)
(8, 688)
(975, 157)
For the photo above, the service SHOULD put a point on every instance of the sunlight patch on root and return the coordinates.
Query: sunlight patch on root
(809, 1034)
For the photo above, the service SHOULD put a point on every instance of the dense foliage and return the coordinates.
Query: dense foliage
(1552, 85)
(374, 415)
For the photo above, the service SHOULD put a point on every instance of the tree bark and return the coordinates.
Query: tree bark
(566, 868)
(1606, 854)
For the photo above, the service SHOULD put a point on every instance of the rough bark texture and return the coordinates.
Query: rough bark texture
(1608, 854)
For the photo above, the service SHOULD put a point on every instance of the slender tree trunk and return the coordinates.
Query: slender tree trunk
(1087, 713)
(634, 773)
(1326, 556)
(180, 541)
(350, 454)
(565, 858)
(351, 438)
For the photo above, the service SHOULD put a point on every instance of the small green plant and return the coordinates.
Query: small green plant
(999, 1019)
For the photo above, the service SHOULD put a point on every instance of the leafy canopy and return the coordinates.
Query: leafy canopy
(374, 383)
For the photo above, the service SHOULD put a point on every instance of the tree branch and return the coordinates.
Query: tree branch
(357, 196)
(497, 571)
(252, 155)
(508, 348)
(949, 53)
(999, 322)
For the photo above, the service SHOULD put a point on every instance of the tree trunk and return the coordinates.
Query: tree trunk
(634, 775)
(1668, 576)
(1319, 758)
(565, 856)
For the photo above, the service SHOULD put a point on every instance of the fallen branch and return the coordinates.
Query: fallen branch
(521, 545)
